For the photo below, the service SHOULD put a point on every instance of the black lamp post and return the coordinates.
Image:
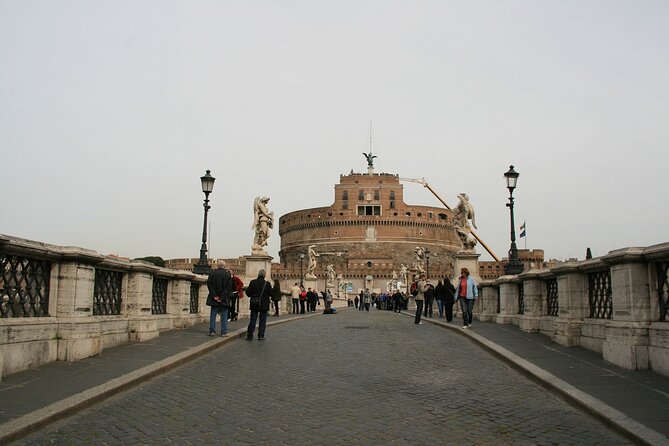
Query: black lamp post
(202, 266)
(301, 275)
(427, 263)
(514, 266)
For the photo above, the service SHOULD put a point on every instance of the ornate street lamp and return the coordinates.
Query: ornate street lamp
(202, 266)
(301, 274)
(514, 266)
(427, 263)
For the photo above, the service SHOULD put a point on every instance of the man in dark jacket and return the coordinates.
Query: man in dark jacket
(259, 292)
(220, 286)
(449, 298)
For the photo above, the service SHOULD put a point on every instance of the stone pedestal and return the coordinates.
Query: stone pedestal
(469, 260)
(310, 283)
(255, 263)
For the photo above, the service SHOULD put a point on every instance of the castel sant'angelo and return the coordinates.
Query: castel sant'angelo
(368, 235)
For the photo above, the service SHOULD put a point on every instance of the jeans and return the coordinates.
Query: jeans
(302, 305)
(448, 309)
(224, 319)
(252, 324)
(440, 306)
(428, 307)
(467, 306)
(296, 306)
(419, 310)
(276, 306)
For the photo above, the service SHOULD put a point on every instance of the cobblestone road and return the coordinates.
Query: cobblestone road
(354, 378)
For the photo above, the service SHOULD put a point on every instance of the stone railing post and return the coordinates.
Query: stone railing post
(178, 298)
(573, 304)
(627, 335)
(78, 332)
(534, 299)
(486, 307)
(508, 300)
(137, 299)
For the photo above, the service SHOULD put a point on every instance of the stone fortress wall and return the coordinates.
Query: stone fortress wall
(368, 222)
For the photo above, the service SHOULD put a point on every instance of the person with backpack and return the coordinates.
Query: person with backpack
(429, 299)
(259, 292)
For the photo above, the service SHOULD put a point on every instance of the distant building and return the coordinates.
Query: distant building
(531, 259)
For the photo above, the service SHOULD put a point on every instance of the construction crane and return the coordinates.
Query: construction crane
(424, 183)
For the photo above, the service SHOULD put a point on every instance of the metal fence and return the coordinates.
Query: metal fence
(159, 296)
(194, 298)
(24, 286)
(552, 297)
(107, 292)
(599, 295)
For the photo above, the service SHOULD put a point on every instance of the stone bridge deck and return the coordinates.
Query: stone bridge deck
(364, 378)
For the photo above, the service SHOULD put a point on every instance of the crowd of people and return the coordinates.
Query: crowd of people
(446, 294)
(225, 290)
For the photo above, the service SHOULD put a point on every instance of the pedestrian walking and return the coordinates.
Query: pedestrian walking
(355, 302)
(303, 301)
(397, 302)
(439, 296)
(276, 296)
(429, 299)
(295, 298)
(449, 298)
(366, 299)
(421, 286)
(221, 287)
(233, 314)
(259, 292)
(467, 292)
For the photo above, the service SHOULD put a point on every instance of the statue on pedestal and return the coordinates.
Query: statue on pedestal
(462, 214)
(263, 221)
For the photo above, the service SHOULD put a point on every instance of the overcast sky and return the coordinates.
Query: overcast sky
(110, 111)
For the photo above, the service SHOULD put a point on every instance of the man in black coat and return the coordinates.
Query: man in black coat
(259, 292)
(449, 298)
(220, 286)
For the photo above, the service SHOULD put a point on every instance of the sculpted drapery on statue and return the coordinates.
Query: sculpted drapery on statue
(311, 269)
(331, 275)
(263, 221)
(418, 263)
(462, 214)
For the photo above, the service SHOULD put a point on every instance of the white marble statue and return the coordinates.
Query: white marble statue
(331, 275)
(263, 221)
(404, 274)
(418, 262)
(311, 269)
(462, 214)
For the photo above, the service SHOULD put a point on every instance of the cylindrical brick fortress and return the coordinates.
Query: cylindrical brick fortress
(368, 231)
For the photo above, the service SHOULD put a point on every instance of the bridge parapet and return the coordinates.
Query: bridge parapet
(617, 305)
(68, 303)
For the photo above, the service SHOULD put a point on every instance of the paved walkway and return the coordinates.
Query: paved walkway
(350, 378)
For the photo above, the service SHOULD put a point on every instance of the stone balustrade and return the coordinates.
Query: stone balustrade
(68, 303)
(615, 304)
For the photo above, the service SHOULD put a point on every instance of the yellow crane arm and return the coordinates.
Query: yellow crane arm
(424, 183)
